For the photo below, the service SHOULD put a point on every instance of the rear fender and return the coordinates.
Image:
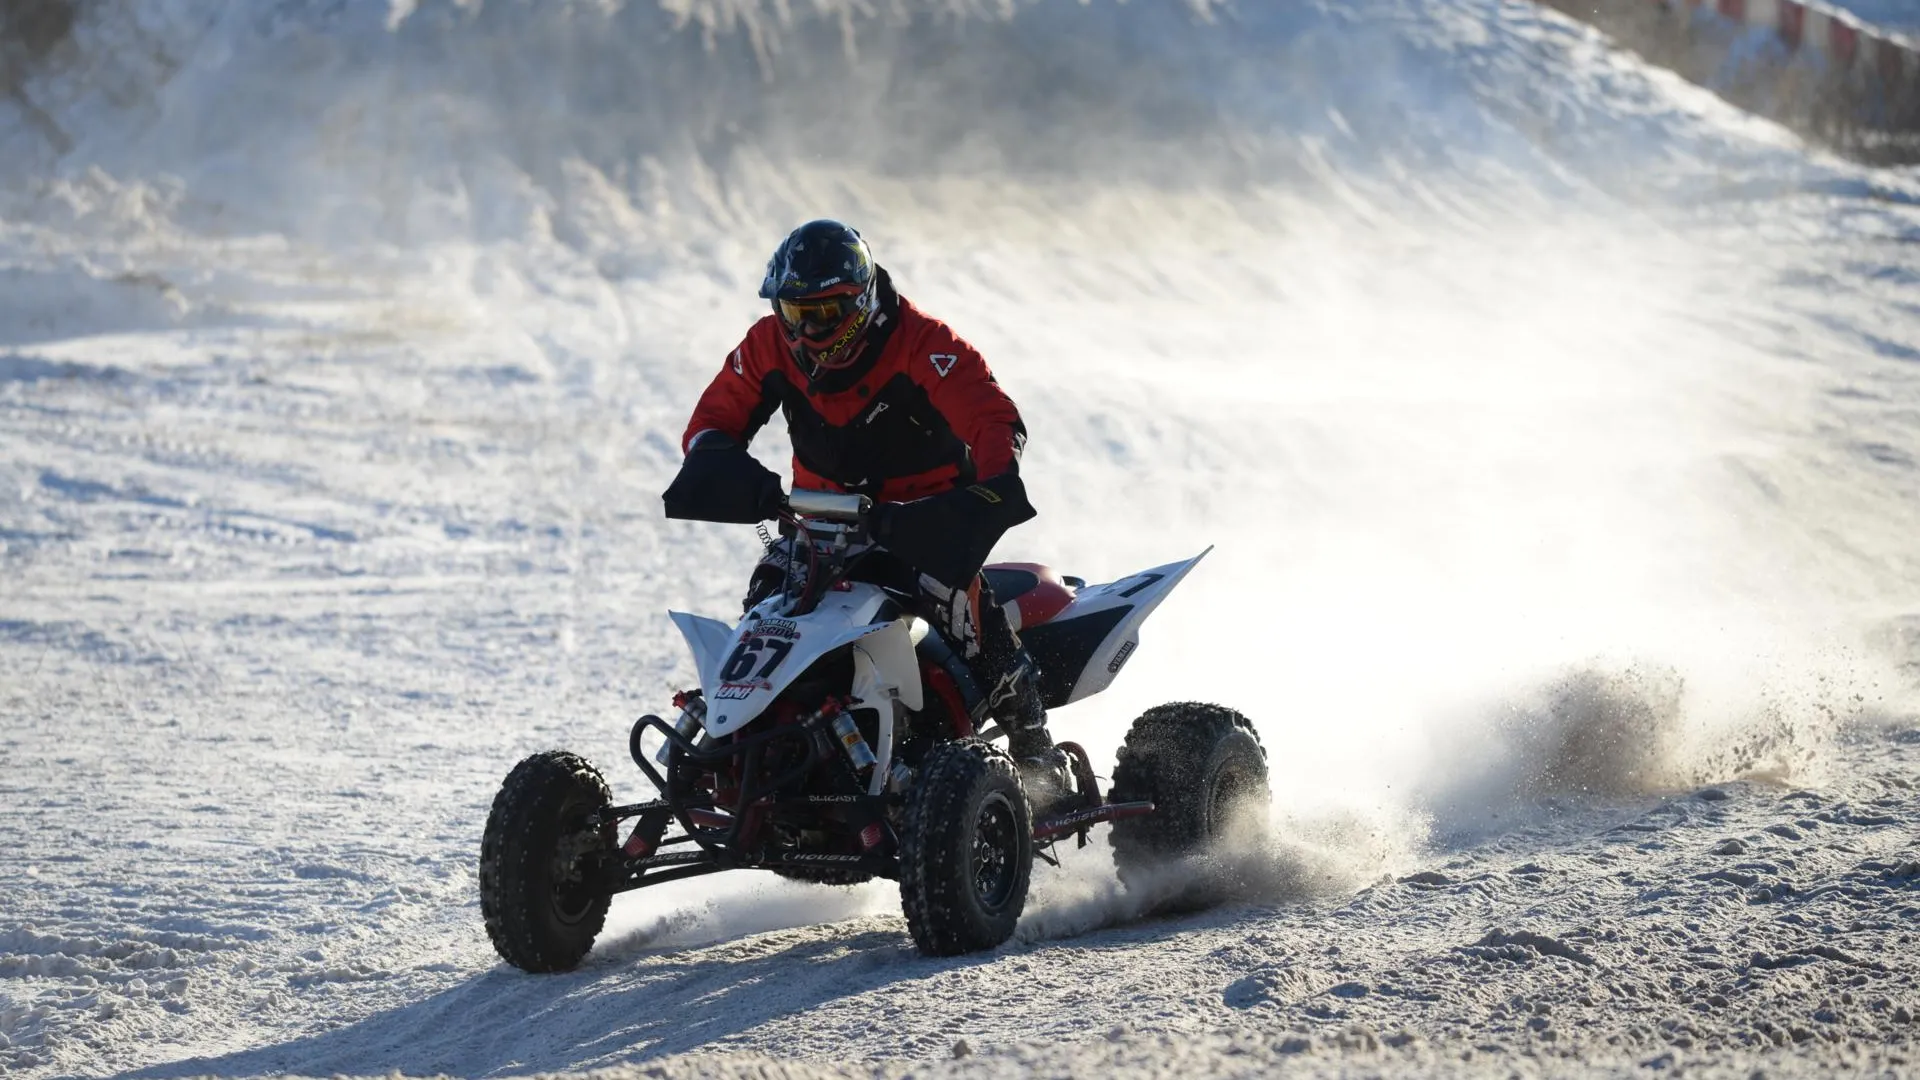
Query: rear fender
(1082, 649)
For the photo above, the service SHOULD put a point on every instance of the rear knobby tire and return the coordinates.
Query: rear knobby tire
(538, 861)
(966, 850)
(1204, 770)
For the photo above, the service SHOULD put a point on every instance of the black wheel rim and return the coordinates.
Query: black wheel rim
(1231, 786)
(995, 844)
(572, 899)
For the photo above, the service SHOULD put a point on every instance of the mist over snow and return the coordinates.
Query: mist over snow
(1557, 428)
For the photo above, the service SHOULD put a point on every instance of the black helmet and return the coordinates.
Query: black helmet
(822, 285)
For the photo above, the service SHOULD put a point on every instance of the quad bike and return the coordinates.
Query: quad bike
(835, 738)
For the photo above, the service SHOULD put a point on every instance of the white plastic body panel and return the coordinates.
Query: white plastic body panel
(707, 639)
(880, 662)
(1139, 593)
(744, 668)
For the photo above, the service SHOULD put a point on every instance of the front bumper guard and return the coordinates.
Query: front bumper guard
(717, 830)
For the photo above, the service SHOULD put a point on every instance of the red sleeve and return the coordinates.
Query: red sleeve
(735, 402)
(963, 388)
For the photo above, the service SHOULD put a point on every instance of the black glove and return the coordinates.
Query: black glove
(721, 482)
(948, 536)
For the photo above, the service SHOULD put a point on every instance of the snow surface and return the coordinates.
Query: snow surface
(1559, 428)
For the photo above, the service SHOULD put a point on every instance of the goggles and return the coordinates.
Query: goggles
(815, 315)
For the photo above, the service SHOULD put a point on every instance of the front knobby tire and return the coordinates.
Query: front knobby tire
(538, 862)
(966, 853)
(1204, 770)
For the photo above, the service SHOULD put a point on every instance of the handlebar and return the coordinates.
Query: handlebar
(829, 505)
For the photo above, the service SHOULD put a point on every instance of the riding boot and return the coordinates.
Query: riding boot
(1045, 770)
(1012, 683)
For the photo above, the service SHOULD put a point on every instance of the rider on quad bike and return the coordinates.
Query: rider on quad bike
(835, 735)
(885, 401)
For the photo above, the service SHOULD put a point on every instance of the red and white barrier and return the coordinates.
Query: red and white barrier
(1849, 43)
(1836, 79)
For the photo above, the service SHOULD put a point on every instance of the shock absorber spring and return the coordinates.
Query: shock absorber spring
(855, 744)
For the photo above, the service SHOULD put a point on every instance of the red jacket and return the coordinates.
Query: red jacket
(919, 414)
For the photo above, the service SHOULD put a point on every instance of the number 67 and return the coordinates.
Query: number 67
(741, 663)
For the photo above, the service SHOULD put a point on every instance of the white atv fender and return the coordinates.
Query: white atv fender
(1105, 621)
(743, 669)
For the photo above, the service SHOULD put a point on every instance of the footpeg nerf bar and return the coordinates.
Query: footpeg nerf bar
(1083, 818)
(652, 869)
(1079, 821)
